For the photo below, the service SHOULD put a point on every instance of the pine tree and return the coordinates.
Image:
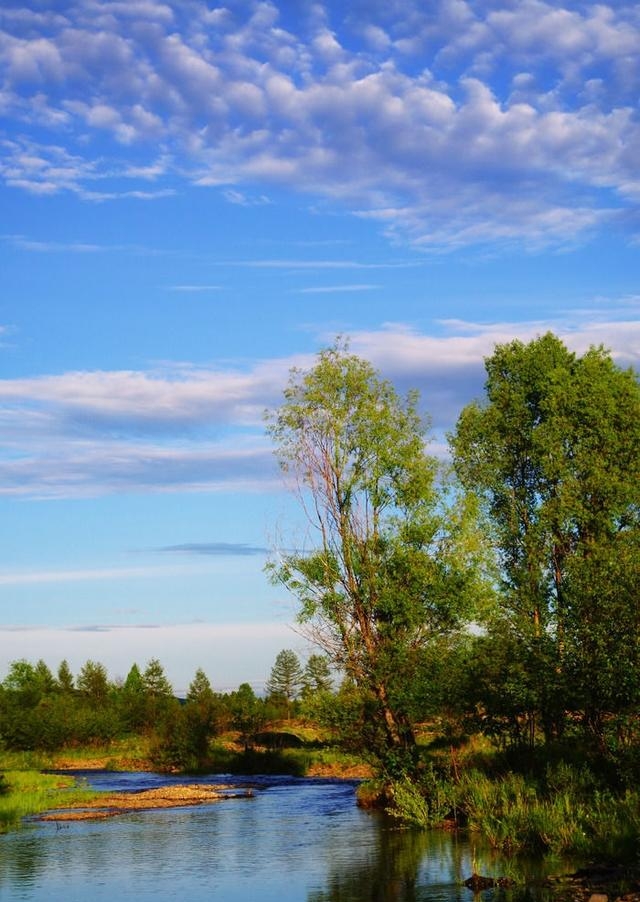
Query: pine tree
(286, 679)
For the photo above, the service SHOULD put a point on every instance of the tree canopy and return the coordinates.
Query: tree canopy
(390, 565)
(554, 452)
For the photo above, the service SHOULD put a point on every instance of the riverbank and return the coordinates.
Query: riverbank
(36, 785)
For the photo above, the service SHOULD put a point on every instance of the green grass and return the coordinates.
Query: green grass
(519, 814)
(28, 792)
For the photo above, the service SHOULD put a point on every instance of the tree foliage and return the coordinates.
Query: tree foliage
(286, 677)
(554, 452)
(389, 567)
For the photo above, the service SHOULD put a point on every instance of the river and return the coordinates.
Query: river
(296, 840)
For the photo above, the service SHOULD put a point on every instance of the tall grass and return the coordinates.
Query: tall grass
(518, 814)
(29, 792)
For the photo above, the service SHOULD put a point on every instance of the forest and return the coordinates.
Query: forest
(476, 618)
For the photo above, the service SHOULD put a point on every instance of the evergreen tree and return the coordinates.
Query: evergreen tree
(133, 700)
(317, 676)
(286, 679)
(158, 693)
(155, 682)
(44, 677)
(200, 691)
(65, 678)
(93, 682)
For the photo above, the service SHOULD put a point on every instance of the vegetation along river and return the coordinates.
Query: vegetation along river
(296, 839)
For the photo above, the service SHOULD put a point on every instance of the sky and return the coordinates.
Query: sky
(196, 197)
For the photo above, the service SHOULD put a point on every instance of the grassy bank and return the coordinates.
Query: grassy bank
(29, 792)
(545, 803)
(25, 790)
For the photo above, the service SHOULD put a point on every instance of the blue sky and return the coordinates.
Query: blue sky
(196, 197)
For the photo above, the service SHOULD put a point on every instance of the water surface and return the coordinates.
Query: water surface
(297, 840)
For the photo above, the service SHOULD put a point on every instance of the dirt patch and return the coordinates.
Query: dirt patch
(149, 799)
(341, 771)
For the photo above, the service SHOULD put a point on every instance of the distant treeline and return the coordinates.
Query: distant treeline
(45, 711)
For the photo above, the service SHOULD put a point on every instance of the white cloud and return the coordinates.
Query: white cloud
(337, 289)
(198, 429)
(48, 577)
(500, 140)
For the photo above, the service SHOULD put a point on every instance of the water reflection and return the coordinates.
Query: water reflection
(297, 841)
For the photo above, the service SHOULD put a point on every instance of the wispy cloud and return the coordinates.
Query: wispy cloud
(293, 264)
(48, 577)
(337, 289)
(194, 429)
(195, 289)
(215, 549)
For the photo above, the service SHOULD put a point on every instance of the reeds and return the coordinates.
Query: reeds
(519, 814)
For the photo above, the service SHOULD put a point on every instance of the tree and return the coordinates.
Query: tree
(23, 684)
(133, 700)
(317, 676)
(388, 571)
(158, 692)
(44, 677)
(201, 703)
(154, 680)
(65, 678)
(286, 678)
(93, 682)
(554, 453)
(248, 713)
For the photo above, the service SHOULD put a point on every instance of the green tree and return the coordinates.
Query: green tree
(554, 452)
(248, 713)
(200, 691)
(317, 676)
(22, 684)
(286, 678)
(390, 569)
(93, 682)
(65, 679)
(155, 681)
(133, 700)
(44, 677)
(199, 714)
(158, 692)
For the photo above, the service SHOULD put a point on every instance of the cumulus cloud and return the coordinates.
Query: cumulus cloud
(448, 123)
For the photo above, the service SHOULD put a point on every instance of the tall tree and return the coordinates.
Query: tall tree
(133, 699)
(387, 570)
(248, 713)
(65, 678)
(93, 682)
(317, 675)
(158, 692)
(554, 451)
(202, 702)
(154, 680)
(286, 678)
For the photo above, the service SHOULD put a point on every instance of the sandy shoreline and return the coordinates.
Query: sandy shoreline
(113, 804)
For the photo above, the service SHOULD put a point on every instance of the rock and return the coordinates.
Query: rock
(478, 883)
